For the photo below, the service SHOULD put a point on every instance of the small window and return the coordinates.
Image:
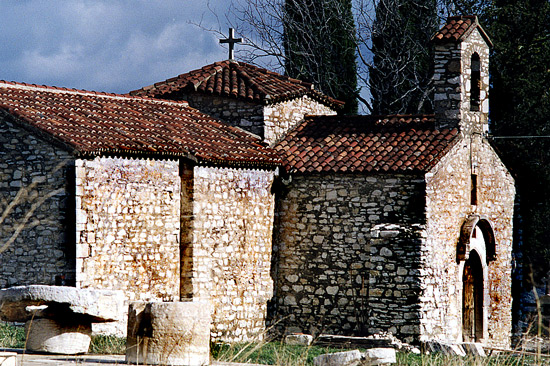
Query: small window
(475, 83)
(473, 193)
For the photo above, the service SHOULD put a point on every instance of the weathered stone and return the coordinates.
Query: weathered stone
(473, 349)
(348, 358)
(448, 349)
(47, 335)
(169, 333)
(62, 302)
(299, 339)
(379, 356)
(8, 359)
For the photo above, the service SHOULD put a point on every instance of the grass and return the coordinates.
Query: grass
(277, 353)
(271, 353)
(14, 337)
(11, 336)
(108, 345)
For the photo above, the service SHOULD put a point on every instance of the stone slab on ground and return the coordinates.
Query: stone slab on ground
(379, 356)
(352, 342)
(8, 359)
(95, 305)
(473, 349)
(347, 358)
(446, 348)
(87, 360)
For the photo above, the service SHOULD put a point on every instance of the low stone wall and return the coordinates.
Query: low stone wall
(233, 220)
(34, 181)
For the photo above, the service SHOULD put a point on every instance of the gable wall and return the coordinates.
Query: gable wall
(448, 205)
(42, 250)
(270, 122)
(248, 116)
(128, 227)
(334, 272)
(233, 223)
(283, 116)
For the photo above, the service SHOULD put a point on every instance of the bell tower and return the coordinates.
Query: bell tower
(461, 75)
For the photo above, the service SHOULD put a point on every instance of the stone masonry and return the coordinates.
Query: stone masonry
(34, 180)
(270, 121)
(233, 223)
(128, 227)
(448, 189)
(332, 270)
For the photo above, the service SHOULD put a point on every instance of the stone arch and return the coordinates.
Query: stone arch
(468, 232)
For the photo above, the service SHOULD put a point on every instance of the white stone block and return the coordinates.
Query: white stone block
(379, 356)
(348, 358)
(299, 339)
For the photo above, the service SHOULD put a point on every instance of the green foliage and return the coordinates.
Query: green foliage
(319, 45)
(270, 353)
(520, 106)
(11, 336)
(108, 345)
(402, 67)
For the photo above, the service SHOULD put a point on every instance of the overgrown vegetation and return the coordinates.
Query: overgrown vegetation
(11, 336)
(107, 344)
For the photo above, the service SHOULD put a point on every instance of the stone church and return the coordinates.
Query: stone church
(239, 186)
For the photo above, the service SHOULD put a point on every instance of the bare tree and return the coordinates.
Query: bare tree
(261, 23)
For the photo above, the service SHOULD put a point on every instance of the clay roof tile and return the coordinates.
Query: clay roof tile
(254, 84)
(91, 123)
(365, 143)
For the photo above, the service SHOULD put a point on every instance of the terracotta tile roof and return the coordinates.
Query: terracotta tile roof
(237, 80)
(365, 144)
(459, 28)
(92, 123)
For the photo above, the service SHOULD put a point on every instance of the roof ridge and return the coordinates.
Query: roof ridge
(64, 90)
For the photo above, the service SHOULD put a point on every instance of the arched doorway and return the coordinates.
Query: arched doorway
(472, 298)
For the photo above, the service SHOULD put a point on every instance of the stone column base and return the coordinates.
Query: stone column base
(169, 333)
(47, 335)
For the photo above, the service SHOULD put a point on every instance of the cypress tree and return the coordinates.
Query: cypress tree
(319, 45)
(402, 64)
(520, 107)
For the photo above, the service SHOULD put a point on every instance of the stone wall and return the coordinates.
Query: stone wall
(283, 116)
(336, 271)
(248, 116)
(448, 205)
(128, 227)
(452, 81)
(34, 176)
(270, 122)
(233, 222)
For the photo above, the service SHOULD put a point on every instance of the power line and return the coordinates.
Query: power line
(519, 137)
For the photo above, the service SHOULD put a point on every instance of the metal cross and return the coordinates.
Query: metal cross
(231, 41)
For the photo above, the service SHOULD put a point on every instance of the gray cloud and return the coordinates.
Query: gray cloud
(107, 45)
